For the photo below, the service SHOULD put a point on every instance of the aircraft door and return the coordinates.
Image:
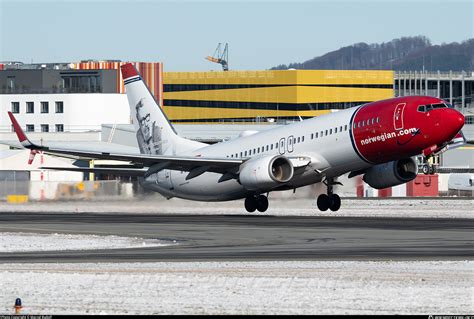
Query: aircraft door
(398, 116)
(281, 146)
(289, 143)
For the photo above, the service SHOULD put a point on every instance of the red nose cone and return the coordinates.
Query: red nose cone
(454, 121)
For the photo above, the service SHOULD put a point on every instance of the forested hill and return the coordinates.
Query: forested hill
(407, 53)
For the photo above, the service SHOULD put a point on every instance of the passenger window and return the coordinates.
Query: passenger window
(312, 135)
(355, 125)
(340, 128)
(240, 154)
(267, 148)
(326, 133)
(322, 133)
(345, 127)
(254, 151)
(271, 146)
(245, 153)
(330, 131)
(298, 139)
(302, 139)
(378, 119)
(316, 134)
(335, 130)
(294, 140)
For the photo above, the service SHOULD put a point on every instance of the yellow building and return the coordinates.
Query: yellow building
(259, 96)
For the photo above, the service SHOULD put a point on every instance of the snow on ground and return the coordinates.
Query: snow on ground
(400, 207)
(13, 242)
(267, 287)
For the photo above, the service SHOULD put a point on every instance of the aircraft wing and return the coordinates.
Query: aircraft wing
(155, 162)
(138, 172)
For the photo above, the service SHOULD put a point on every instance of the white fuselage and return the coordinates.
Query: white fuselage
(331, 155)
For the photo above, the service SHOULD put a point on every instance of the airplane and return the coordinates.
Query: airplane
(376, 140)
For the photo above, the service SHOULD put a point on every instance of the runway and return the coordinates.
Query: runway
(247, 237)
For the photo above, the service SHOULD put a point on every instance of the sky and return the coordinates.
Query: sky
(261, 34)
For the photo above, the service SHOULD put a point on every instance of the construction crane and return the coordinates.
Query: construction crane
(221, 56)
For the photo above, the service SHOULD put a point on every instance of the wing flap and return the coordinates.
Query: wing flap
(135, 172)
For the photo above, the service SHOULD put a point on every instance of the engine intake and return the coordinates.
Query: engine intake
(266, 172)
(391, 173)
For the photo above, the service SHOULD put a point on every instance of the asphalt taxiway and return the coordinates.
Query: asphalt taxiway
(247, 237)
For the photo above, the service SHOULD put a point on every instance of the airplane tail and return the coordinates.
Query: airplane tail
(155, 134)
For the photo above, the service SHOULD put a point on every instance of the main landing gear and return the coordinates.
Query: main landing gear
(258, 202)
(330, 200)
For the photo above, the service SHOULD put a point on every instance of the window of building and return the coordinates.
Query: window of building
(44, 107)
(11, 83)
(59, 127)
(44, 128)
(59, 107)
(30, 128)
(15, 107)
(30, 107)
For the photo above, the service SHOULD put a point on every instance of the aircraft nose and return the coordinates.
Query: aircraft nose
(454, 121)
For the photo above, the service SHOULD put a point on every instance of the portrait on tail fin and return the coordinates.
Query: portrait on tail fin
(149, 134)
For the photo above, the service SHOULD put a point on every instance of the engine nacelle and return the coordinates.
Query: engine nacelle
(391, 173)
(266, 172)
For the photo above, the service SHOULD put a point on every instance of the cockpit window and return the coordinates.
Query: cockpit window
(449, 105)
(438, 106)
(421, 108)
(428, 108)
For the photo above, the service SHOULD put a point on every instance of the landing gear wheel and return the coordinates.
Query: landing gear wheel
(432, 169)
(426, 169)
(334, 202)
(323, 202)
(262, 203)
(250, 204)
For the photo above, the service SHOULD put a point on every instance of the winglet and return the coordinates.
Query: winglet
(19, 132)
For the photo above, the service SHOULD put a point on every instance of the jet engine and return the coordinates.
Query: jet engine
(391, 173)
(266, 172)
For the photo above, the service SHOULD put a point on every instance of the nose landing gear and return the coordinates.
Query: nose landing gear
(428, 168)
(258, 202)
(330, 201)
